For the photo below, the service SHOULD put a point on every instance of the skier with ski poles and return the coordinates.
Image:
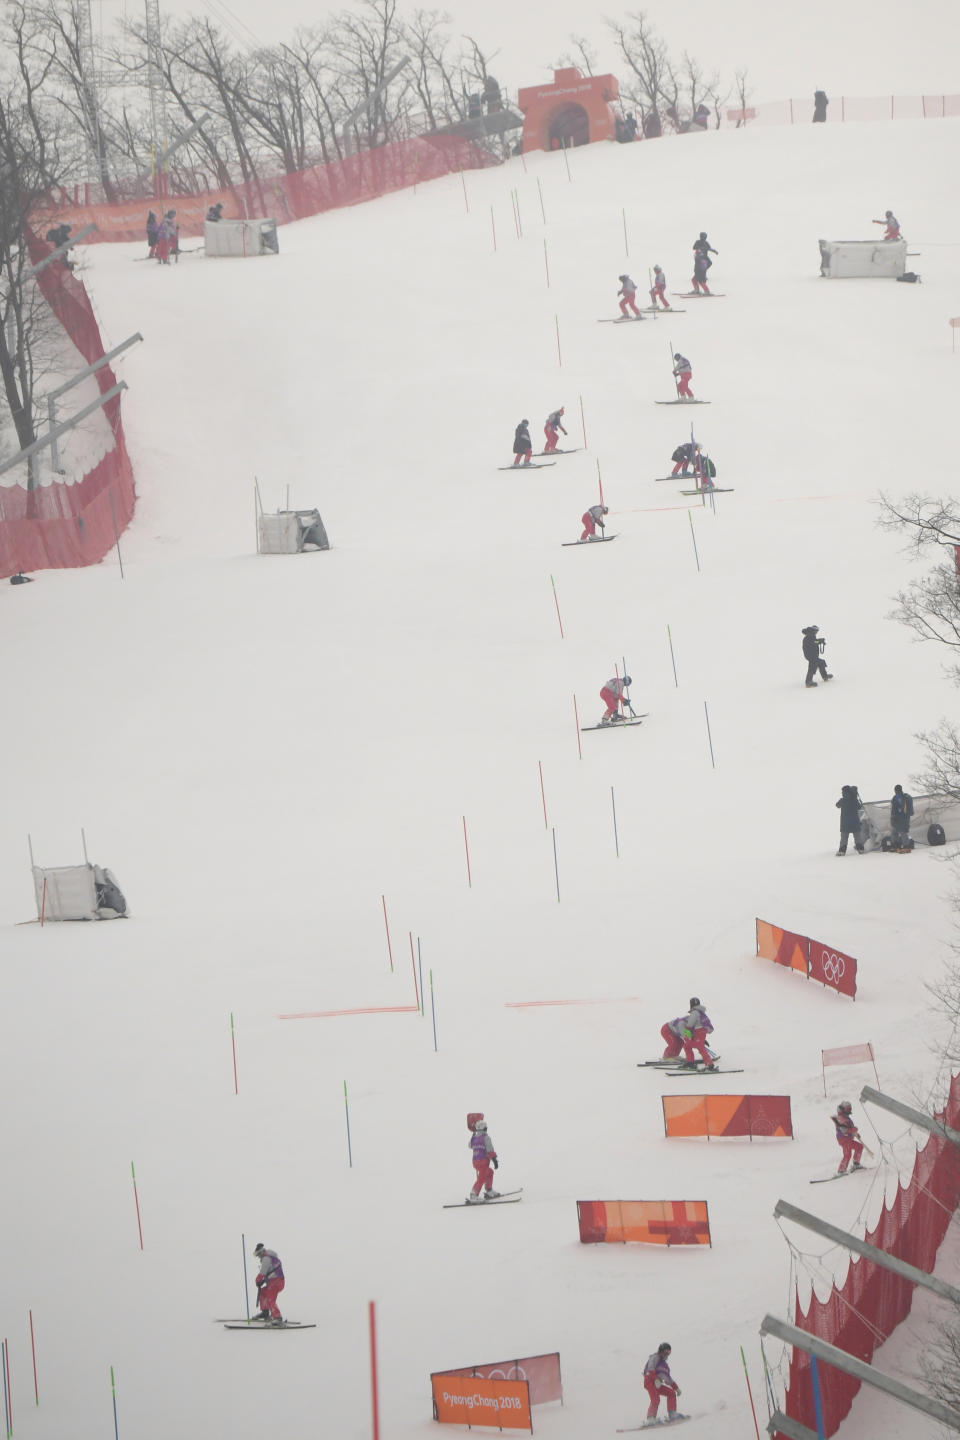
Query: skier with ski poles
(682, 373)
(270, 1281)
(614, 694)
(484, 1156)
(848, 1137)
(591, 519)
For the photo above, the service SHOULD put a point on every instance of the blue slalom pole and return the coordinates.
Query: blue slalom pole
(817, 1404)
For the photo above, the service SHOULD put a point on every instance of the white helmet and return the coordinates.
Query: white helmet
(481, 1127)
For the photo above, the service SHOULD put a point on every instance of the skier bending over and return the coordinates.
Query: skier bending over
(683, 374)
(522, 444)
(695, 1027)
(892, 231)
(683, 457)
(593, 518)
(658, 291)
(813, 646)
(270, 1282)
(553, 424)
(614, 694)
(672, 1032)
(660, 1384)
(848, 1137)
(629, 292)
(484, 1156)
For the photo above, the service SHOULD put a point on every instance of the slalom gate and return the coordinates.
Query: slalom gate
(644, 1222)
(686, 1116)
(812, 958)
(861, 1314)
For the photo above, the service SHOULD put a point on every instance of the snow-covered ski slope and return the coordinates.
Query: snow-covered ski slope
(263, 747)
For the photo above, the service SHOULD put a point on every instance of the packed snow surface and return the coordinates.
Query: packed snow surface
(267, 750)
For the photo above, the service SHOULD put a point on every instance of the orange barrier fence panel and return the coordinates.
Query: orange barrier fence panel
(783, 947)
(541, 1372)
(470, 1400)
(833, 968)
(687, 1116)
(644, 1222)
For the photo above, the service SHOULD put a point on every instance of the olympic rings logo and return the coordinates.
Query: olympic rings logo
(832, 965)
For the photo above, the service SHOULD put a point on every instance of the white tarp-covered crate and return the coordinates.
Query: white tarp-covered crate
(929, 812)
(241, 237)
(77, 892)
(863, 259)
(291, 531)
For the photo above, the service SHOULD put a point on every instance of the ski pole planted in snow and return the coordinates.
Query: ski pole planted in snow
(346, 1106)
(626, 242)
(600, 483)
(463, 180)
(7, 1396)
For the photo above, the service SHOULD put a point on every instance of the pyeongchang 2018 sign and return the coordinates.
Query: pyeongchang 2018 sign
(470, 1400)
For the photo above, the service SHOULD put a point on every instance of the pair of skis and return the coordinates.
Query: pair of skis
(593, 540)
(698, 1069)
(619, 724)
(265, 1325)
(507, 1197)
(655, 1424)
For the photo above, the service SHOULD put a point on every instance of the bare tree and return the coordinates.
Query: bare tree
(651, 86)
(581, 56)
(743, 92)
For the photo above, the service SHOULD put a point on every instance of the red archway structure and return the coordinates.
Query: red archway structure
(574, 110)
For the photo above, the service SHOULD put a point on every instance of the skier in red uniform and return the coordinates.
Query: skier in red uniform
(696, 1027)
(848, 1137)
(660, 1385)
(683, 374)
(629, 292)
(614, 694)
(672, 1032)
(591, 519)
(554, 423)
(890, 220)
(658, 290)
(270, 1282)
(484, 1155)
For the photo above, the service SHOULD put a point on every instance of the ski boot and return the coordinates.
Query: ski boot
(811, 684)
(473, 1199)
(491, 1195)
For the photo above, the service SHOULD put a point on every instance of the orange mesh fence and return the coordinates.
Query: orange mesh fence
(685, 1116)
(863, 1312)
(541, 1372)
(286, 197)
(503, 1404)
(57, 526)
(643, 1222)
(783, 947)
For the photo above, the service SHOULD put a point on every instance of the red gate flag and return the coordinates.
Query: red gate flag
(848, 1055)
(833, 968)
(470, 1400)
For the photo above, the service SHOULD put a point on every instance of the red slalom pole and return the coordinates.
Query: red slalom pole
(749, 1392)
(413, 962)
(387, 924)
(600, 482)
(136, 1201)
(374, 1398)
(543, 795)
(466, 848)
(546, 263)
(557, 604)
(583, 424)
(576, 719)
(556, 321)
(33, 1355)
(233, 1046)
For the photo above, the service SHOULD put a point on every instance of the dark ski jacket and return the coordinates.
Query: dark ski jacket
(700, 266)
(901, 808)
(521, 440)
(683, 452)
(811, 645)
(849, 807)
(704, 248)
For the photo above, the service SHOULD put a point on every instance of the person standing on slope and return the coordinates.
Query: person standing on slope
(699, 277)
(522, 444)
(614, 694)
(591, 519)
(660, 1385)
(702, 246)
(848, 1137)
(683, 374)
(892, 231)
(813, 646)
(658, 291)
(484, 1156)
(270, 1281)
(695, 1027)
(849, 806)
(901, 813)
(629, 292)
(554, 423)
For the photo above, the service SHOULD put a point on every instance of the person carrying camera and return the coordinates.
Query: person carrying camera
(813, 645)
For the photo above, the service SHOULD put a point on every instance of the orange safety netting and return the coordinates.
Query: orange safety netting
(645, 1222)
(863, 1312)
(689, 1115)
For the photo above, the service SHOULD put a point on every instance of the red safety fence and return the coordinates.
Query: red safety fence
(688, 1116)
(812, 958)
(644, 1222)
(59, 526)
(287, 197)
(862, 1313)
(542, 1372)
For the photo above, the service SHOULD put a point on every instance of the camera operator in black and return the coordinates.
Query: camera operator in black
(849, 806)
(813, 654)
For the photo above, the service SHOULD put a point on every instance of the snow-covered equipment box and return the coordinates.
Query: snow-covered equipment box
(241, 237)
(936, 820)
(289, 532)
(77, 892)
(863, 259)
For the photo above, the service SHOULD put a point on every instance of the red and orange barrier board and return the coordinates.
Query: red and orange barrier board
(644, 1222)
(470, 1400)
(685, 1116)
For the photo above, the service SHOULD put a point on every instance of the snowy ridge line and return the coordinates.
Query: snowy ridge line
(360, 1010)
(603, 1000)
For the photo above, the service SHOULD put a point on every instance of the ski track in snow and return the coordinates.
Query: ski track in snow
(262, 747)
